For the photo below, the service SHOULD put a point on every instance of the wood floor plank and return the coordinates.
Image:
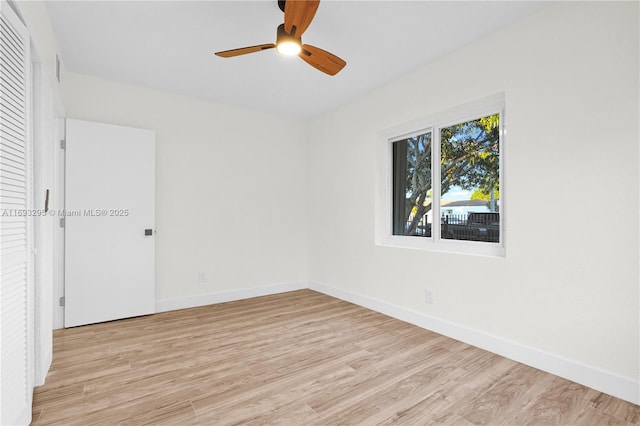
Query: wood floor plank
(618, 408)
(437, 408)
(396, 394)
(559, 403)
(297, 358)
(593, 417)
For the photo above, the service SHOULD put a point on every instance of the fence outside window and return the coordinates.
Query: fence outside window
(483, 226)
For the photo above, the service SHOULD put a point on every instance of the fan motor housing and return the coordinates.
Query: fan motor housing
(283, 37)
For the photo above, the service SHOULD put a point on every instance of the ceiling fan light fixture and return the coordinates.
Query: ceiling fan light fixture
(288, 48)
(287, 44)
(297, 17)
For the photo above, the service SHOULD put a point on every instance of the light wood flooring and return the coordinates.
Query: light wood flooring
(298, 358)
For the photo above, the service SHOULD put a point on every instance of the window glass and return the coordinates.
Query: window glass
(412, 186)
(470, 180)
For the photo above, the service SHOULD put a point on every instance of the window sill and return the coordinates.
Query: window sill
(474, 248)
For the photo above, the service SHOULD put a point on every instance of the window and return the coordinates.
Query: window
(445, 181)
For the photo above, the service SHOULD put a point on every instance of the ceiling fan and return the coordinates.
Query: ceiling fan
(298, 14)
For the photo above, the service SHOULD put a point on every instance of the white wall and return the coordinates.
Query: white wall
(568, 287)
(230, 189)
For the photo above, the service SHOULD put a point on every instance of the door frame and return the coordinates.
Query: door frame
(58, 197)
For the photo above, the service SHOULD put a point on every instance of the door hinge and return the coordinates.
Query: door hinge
(61, 302)
(63, 144)
(62, 222)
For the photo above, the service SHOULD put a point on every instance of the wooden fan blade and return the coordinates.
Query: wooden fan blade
(298, 14)
(321, 59)
(244, 50)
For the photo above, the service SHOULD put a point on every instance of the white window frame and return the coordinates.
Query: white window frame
(433, 123)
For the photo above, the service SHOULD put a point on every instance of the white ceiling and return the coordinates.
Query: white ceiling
(169, 45)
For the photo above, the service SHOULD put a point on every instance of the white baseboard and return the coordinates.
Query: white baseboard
(45, 364)
(22, 418)
(603, 381)
(226, 296)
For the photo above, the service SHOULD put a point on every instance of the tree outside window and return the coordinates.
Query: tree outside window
(469, 171)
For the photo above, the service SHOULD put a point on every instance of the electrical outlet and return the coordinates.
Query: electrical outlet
(428, 296)
(202, 277)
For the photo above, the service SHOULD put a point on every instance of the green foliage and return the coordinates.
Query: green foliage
(490, 122)
(483, 194)
(470, 154)
(470, 159)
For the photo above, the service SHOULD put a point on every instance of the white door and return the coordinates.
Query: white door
(16, 224)
(109, 223)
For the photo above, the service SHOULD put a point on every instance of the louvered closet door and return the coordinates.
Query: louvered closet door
(14, 223)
